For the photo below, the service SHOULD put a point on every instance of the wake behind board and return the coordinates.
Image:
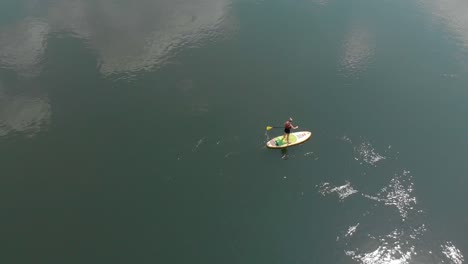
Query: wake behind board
(295, 138)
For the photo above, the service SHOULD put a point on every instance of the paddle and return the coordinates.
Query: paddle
(271, 127)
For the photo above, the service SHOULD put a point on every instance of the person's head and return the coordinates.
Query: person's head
(290, 119)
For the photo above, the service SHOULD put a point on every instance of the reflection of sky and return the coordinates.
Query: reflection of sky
(22, 46)
(358, 49)
(21, 49)
(127, 37)
(453, 14)
(23, 114)
(321, 2)
(130, 37)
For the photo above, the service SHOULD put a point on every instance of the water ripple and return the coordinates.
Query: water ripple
(358, 50)
(452, 15)
(22, 46)
(23, 114)
(410, 241)
(398, 193)
(198, 144)
(351, 230)
(127, 38)
(343, 191)
(366, 152)
(452, 253)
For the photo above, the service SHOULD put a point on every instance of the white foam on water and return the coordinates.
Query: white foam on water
(365, 152)
(452, 253)
(311, 155)
(346, 139)
(351, 230)
(403, 246)
(321, 2)
(267, 138)
(198, 144)
(416, 233)
(343, 191)
(398, 193)
(400, 247)
(385, 255)
(409, 241)
(400, 197)
(394, 248)
(406, 243)
(449, 75)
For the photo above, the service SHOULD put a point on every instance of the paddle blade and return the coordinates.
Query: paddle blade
(269, 128)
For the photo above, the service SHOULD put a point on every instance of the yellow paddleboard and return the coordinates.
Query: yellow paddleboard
(295, 138)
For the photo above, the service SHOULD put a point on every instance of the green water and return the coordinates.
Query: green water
(134, 132)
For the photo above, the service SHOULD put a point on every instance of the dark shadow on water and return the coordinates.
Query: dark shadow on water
(284, 153)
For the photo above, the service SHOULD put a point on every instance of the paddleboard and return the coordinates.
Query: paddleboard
(295, 138)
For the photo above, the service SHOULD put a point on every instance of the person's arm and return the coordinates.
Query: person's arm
(295, 127)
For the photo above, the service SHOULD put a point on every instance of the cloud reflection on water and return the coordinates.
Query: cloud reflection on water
(131, 37)
(127, 38)
(358, 50)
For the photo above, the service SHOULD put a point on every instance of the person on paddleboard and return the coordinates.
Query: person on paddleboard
(287, 129)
